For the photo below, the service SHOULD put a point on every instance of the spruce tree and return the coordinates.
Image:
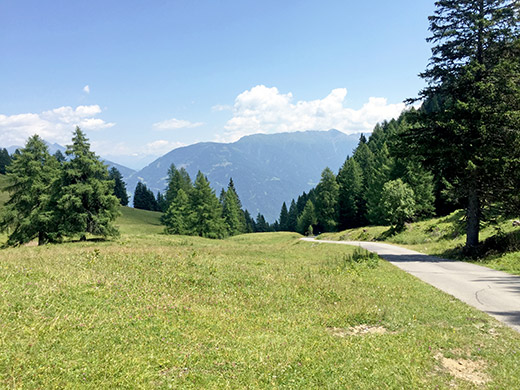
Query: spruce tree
(144, 198)
(307, 221)
(84, 197)
(472, 136)
(261, 226)
(327, 192)
(231, 211)
(284, 218)
(5, 160)
(350, 197)
(206, 212)
(177, 179)
(59, 156)
(28, 214)
(292, 218)
(119, 186)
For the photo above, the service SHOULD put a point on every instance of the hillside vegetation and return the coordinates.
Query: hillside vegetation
(444, 237)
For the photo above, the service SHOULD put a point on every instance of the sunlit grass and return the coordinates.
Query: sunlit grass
(253, 311)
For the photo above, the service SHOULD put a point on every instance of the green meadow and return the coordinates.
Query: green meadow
(258, 311)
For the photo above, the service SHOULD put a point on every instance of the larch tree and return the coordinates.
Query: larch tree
(27, 214)
(84, 197)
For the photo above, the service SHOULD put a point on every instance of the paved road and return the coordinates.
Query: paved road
(490, 291)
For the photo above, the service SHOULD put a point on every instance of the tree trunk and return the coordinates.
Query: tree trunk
(41, 238)
(472, 219)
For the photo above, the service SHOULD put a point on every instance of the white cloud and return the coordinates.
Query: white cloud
(161, 147)
(86, 89)
(222, 107)
(54, 125)
(154, 148)
(174, 124)
(266, 110)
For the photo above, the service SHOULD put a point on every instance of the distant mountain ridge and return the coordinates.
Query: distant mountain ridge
(53, 148)
(267, 169)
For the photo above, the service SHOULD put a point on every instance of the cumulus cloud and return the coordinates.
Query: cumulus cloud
(174, 124)
(266, 110)
(86, 89)
(54, 125)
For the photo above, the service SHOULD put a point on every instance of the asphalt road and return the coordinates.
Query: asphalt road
(493, 292)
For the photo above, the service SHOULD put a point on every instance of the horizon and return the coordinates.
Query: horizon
(141, 80)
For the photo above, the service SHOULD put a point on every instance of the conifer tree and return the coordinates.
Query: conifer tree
(119, 185)
(377, 174)
(261, 225)
(327, 193)
(27, 214)
(5, 160)
(84, 199)
(471, 136)
(232, 213)
(292, 218)
(177, 218)
(284, 218)
(59, 156)
(350, 181)
(144, 198)
(177, 179)
(206, 211)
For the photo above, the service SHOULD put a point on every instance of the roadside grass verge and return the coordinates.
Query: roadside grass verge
(254, 311)
(445, 237)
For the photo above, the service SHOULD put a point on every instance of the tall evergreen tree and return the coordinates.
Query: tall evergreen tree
(177, 179)
(231, 211)
(5, 160)
(307, 220)
(27, 214)
(177, 218)
(144, 198)
(284, 218)
(377, 174)
(350, 198)
(206, 216)
(85, 200)
(261, 225)
(327, 193)
(119, 185)
(59, 156)
(292, 217)
(472, 137)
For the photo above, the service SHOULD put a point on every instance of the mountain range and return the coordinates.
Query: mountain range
(267, 170)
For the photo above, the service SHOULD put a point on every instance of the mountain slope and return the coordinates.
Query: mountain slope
(266, 169)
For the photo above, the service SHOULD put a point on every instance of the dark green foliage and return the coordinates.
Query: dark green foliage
(232, 212)
(177, 217)
(5, 160)
(144, 198)
(350, 198)
(119, 185)
(261, 225)
(292, 217)
(327, 193)
(162, 206)
(28, 214)
(284, 218)
(468, 129)
(84, 195)
(59, 156)
(177, 179)
(250, 222)
(206, 211)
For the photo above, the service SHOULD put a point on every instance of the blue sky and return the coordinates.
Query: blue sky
(143, 77)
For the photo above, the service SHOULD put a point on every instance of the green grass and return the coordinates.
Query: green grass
(255, 311)
(442, 237)
(135, 221)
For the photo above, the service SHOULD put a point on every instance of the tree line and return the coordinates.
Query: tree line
(53, 197)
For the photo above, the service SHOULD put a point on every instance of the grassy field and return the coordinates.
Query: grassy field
(257, 311)
(442, 237)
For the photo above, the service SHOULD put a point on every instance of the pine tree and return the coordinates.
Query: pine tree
(206, 211)
(250, 222)
(177, 217)
(471, 136)
(85, 200)
(162, 206)
(261, 226)
(119, 185)
(177, 179)
(377, 174)
(327, 193)
(28, 214)
(59, 156)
